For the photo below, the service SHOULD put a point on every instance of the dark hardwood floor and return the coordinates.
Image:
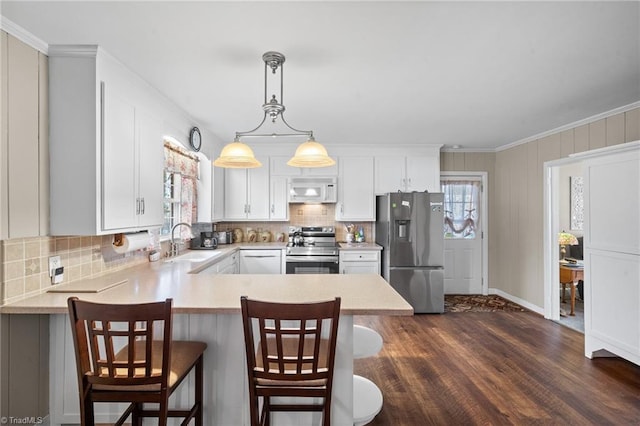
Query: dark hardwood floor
(495, 369)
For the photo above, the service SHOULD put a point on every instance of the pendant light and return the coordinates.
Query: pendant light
(308, 154)
(237, 155)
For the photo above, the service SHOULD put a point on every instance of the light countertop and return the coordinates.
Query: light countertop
(206, 293)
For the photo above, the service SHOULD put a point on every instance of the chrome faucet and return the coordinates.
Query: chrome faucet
(174, 249)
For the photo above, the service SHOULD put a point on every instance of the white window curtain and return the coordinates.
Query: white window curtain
(461, 201)
(182, 170)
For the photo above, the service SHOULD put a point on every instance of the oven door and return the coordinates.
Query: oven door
(312, 265)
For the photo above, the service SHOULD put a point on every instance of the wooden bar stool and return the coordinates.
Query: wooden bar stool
(125, 353)
(293, 357)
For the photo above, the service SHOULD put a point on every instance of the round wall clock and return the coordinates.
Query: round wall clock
(195, 139)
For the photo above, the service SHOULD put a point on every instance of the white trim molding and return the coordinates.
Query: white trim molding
(569, 126)
(514, 299)
(23, 35)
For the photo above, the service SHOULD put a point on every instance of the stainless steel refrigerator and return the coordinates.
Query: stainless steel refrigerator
(409, 227)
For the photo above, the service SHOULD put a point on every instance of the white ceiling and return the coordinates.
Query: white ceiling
(476, 74)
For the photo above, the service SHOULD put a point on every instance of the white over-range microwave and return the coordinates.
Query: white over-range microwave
(313, 190)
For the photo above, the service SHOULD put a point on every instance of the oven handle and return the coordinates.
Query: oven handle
(312, 259)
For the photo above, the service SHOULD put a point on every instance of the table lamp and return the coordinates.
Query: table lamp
(566, 239)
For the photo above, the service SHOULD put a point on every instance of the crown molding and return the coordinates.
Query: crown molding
(23, 35)
(74, 50)
(570, 126)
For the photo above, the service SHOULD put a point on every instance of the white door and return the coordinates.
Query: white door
(463, 234)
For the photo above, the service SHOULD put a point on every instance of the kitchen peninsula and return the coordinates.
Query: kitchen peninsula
(207, 308)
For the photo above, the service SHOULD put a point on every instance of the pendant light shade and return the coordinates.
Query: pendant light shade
(237, 155)
(311, 154)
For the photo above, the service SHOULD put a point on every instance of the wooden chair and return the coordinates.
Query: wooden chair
(118, 359)
(293, 357)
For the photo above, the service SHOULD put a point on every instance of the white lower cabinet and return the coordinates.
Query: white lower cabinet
(227, 265)
(360, 262)
(260, 261)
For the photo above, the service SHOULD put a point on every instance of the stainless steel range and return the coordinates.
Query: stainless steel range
(312, 250)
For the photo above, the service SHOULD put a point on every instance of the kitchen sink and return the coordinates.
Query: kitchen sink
(194, 256)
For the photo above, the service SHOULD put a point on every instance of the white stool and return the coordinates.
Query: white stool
(367, 398)
(366, 342)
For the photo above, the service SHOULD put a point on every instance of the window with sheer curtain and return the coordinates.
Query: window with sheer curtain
(461, 201)
(181, 172)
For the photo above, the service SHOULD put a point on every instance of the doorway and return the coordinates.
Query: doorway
(556, 219)
(465, 229)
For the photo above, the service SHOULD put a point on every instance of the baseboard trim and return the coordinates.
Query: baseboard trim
(514, 299)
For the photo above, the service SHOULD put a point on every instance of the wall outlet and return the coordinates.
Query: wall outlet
(54, 263)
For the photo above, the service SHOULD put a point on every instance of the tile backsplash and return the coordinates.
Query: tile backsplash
(25, 262)
(303, 215)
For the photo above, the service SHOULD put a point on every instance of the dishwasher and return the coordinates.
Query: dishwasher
(260, 261)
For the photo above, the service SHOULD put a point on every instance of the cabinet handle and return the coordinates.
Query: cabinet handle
(273, 208)
(143, 207)
(137, 206)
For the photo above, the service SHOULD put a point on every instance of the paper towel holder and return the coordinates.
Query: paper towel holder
(118, 240)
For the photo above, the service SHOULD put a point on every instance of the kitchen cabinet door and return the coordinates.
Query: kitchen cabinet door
(132, 165)
(359, 262)
(258, 193)
(235, 194)
(356, 198)
(279, 209)
(246, 194)
(423, 173)
(150, 170)
(119, 156)
(218, 193)
(390, 174)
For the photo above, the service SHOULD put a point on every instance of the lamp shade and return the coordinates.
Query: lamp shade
(311, 154)
(566, 239)
(237, 155)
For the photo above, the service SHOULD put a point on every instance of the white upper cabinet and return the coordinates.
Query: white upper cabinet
(254, 194)
(150, 199)
(246, 194)
(356, 198)
(410, 173)
(279, 208)
(106, 145)
(218, 193)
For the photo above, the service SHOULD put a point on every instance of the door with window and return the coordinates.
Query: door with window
(463, 233)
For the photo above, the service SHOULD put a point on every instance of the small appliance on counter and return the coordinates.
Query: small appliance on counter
(223, 237)
(206, 241)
